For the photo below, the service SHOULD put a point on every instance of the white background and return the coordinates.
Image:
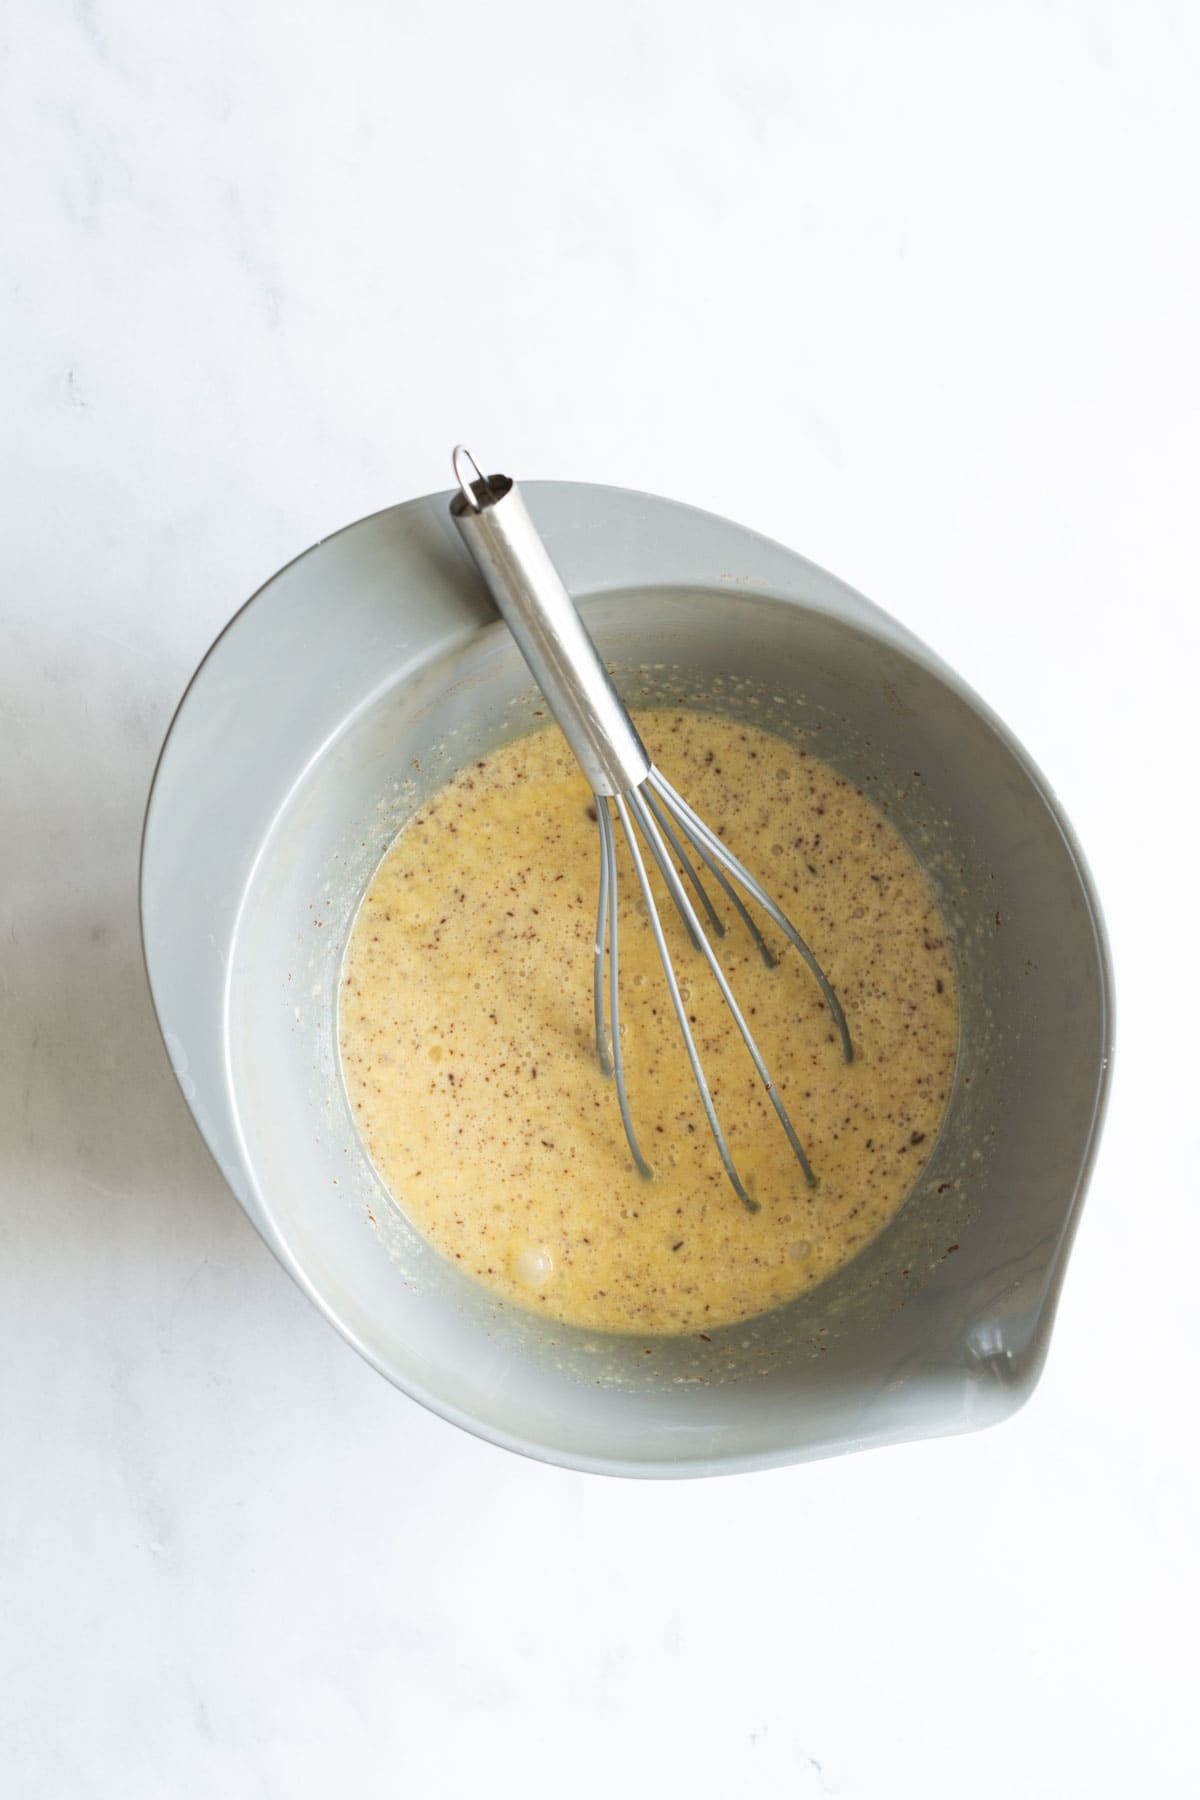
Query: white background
(911, 287)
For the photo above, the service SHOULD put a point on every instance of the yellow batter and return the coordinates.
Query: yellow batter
(467, 1045)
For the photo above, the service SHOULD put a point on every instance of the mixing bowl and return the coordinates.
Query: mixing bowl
(348, 689)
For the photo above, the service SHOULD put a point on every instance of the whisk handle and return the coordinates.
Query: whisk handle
(551, 636)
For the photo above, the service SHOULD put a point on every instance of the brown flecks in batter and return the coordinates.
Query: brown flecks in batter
(466, 1035)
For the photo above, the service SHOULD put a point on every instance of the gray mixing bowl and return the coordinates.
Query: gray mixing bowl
(350, 687)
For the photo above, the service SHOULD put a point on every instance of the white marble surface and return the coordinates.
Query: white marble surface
(914, 288)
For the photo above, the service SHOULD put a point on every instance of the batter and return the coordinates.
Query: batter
(466, 1037)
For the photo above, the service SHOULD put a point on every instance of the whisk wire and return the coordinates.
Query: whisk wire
(679, 895)
(701, 834)
(715, 870)
(681, 856)
(706, 1099)
(608, 857)
(602, 1051)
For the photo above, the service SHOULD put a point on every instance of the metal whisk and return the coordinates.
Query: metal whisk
(491, 516)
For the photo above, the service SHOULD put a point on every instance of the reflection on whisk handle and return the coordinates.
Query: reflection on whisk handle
(553, 639)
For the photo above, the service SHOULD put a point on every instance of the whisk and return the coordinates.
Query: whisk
(497, 529)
